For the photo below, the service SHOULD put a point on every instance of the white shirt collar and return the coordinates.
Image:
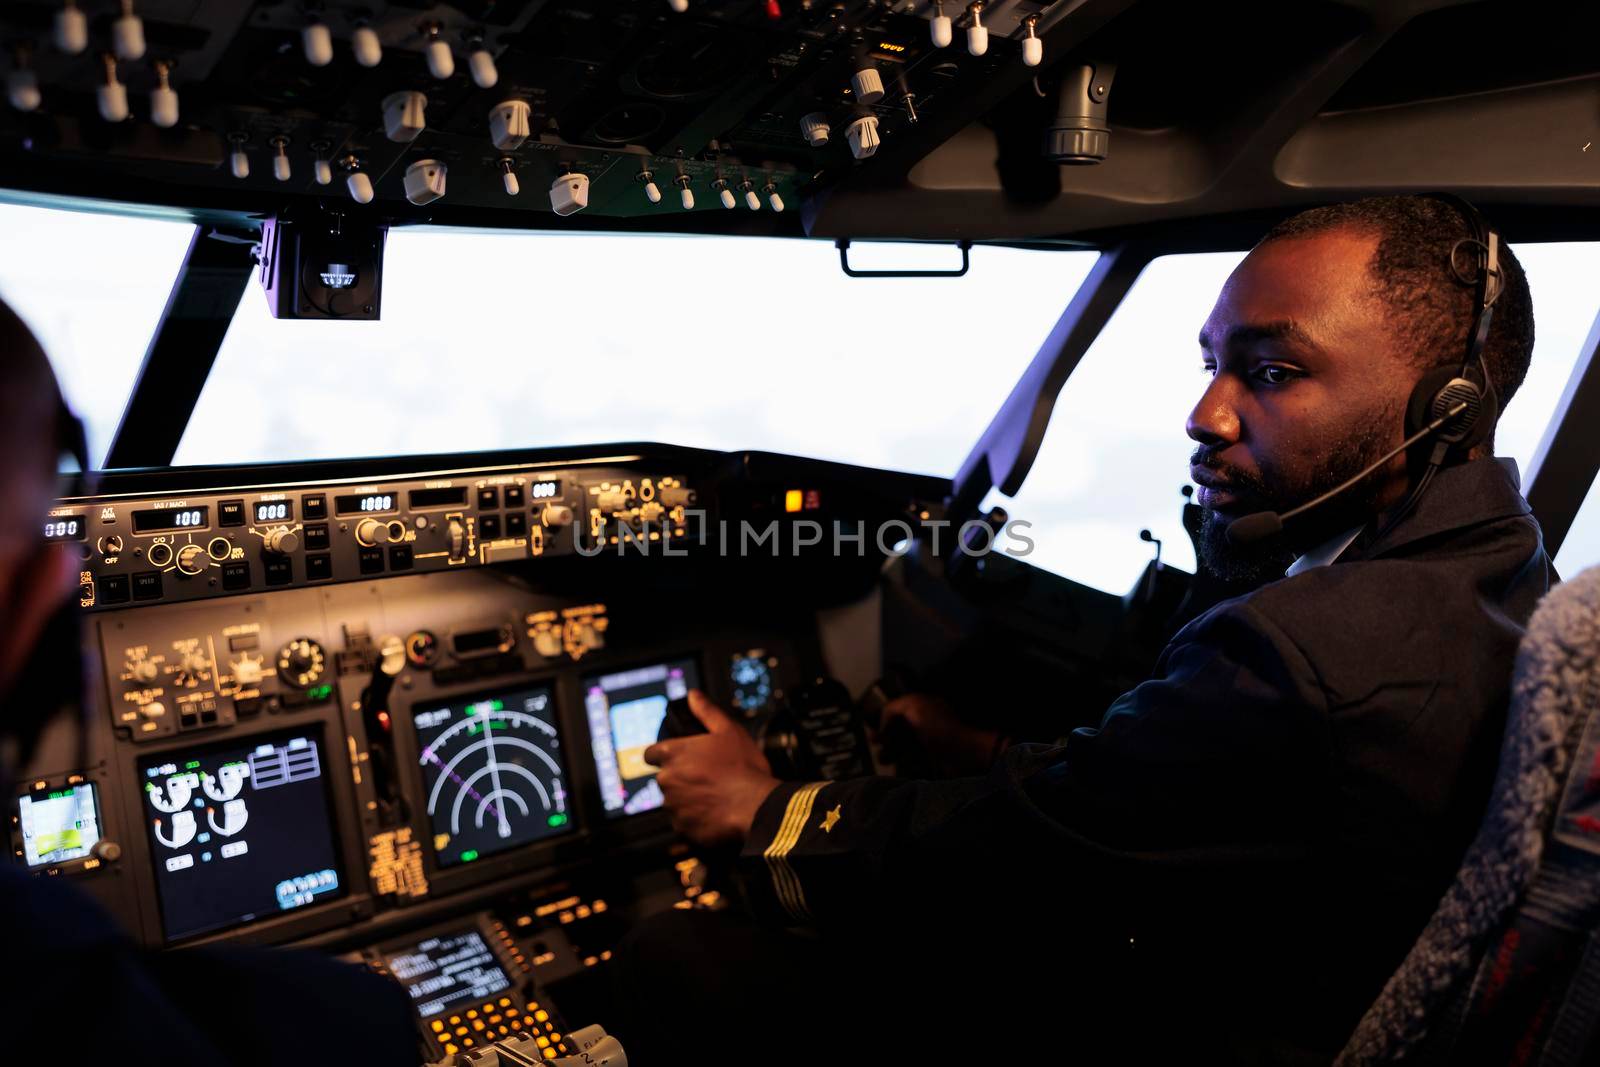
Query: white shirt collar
(1324, 553)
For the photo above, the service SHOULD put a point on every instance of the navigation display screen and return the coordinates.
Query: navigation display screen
(494, 774)
(59, 826)
(452, 971)
(625, 710)
(240, 832)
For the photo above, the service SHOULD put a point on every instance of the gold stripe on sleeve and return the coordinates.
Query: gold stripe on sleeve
(785, 884)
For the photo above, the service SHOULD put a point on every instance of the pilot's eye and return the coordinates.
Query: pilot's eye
(1272, 374)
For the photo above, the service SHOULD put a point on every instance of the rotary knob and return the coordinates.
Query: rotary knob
(301, 662)
(191, 559)
(557, 515)
(280, 540)
(145, 671)
(153, 710)
(369, 532)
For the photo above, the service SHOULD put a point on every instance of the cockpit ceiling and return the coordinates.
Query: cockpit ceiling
(1220, 115)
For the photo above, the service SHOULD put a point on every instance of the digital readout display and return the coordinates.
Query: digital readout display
(365, 503)
(65, 528)
(162, 519)
(274, 511)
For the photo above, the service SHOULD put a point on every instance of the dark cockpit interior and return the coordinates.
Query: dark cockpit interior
(464, 384)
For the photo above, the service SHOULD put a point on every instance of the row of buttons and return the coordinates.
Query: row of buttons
(489, 499)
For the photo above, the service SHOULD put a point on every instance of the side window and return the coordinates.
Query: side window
(1581, 549)
(91, 287)
(1116, 455)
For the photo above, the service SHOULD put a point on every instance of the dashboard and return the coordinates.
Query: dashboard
(398, 711)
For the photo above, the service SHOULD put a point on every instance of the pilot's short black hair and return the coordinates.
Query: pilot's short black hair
(29, 398)
(1411, 271)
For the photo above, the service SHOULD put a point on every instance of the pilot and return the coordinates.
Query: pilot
(75, 988)
(1231, 864)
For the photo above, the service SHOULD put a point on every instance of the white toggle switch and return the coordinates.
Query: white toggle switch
(773, 198)
(977, 32)
(280, 158)
(112, 95)
(441, 64)
(680, 6)
(366, 46)
(569, 194)
(815, 129)
(425, 181)
(239, 161)
(1032, 46)
(940, 29)
(751, 200)
(863, 136)
(685, 194)
(22, 89)
(725, 194)
(360, 187)
(127, 34)
(71, 29)
(317, 41)
(508, 124)
(164, 99)
(509, 177)
(867, 85)
(404, 115)
(652, 192)
(322, 170)
(484, 73)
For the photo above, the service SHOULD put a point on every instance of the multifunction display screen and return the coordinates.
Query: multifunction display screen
(494, 773)
(451, 971)
(240, 832)
(625, 710)
(59, 826)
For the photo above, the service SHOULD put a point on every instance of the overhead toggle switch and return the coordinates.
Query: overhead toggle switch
(508, 124)
(71, 29)
(127, 34)
(481, 65)
(316, 40)
(322, 168)
(163, 98)
(112, 95)
(724, 193)
(366, 46)
(238, 159)
(863, 136)
(281, 169)
(940, 28)
(356, 180)
(685, 194)
(508, 175)
(815, 129)
(441, 64)
(773, 199)
(22, 84)
(652, 191)
(867, 84)
(425, 181)
(977, 33)
(1032, 46)
(404, 115)
(751, 200)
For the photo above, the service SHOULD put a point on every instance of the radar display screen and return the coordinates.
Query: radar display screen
(59, 826)
(625, 710)
(240, 832)
(451, 971)
(493, 772)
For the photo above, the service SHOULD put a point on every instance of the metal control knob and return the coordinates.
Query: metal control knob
(191, 559)
(557, 515)
(153, 710)
(369, 532)
(300, 662)
(145, 671)
(107, 851)
(280, 540)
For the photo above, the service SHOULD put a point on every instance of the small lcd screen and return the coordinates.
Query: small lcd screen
(544, 490)
(65, 528)
(240, 832)
(274, 511)
(59, 826)
(456, 970)
(438, 498)
(365, 504)
(494, 773)
(625, 710)
(171, 519)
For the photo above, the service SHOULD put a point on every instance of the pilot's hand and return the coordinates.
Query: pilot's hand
(949, 745)
(713, 782)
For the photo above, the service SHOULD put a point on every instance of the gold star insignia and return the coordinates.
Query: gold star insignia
(831, 819)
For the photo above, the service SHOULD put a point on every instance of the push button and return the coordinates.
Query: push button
(314, 506)
(279, 570)
(147, 585)
(488, 526)
(372, 560)
(113, 588)
(514, 496)
(319, 566)
(230, 513)
(400, 557)
(315, 536)
(236, 576)
(516, 524)
(488, 499)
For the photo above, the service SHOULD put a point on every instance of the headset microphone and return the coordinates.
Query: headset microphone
(1260, 525)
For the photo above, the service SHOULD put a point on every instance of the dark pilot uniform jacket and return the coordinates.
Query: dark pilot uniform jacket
(1233, 862)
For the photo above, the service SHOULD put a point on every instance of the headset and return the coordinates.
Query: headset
(1446, 404)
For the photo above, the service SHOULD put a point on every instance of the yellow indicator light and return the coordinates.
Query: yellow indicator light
(888, 47)
(793, 500)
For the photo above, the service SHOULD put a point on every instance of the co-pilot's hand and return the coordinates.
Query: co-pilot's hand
(713, 782)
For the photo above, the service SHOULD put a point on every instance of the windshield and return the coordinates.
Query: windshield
(498, 340)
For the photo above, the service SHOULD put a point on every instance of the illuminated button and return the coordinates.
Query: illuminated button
(472, 1013)
(503, 1031)
(438, 1027)
(549, 1053)
(504, 1002)
(544, 1042)
(516, 1024)
(541, 1015)
(477, 1024)
(461, 1031)
(451, 1050)
(467, 1042)
(314, 507)
(495, 1018)
(455, 1020)
(555, 1037)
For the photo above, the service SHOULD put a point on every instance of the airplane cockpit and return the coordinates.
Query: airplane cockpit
(462, 385)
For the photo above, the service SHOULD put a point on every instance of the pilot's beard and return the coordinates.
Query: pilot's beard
(1265, 561)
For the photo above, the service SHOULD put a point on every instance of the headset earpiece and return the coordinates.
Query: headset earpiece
(1443, 388)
